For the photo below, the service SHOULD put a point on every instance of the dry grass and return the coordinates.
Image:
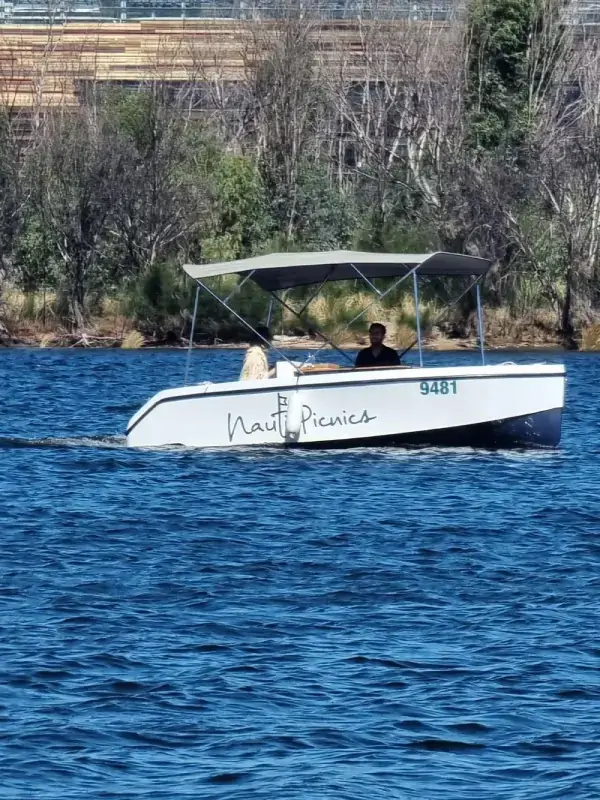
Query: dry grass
(132, 341)
(537, 327)
(31, 318)
(335, 317)
(402, 336)
(14, 304)
(47, 340)
(590, 338)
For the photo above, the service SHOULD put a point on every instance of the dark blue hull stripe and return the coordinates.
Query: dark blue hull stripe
(541, 430)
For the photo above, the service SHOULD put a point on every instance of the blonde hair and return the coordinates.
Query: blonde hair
(256, 366)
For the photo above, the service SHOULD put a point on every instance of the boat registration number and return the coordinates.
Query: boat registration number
(438, 387)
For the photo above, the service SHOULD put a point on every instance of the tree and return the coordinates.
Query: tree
(372, 89)
(239, 222)
(159, 206)
(512, 45)
(74, 179)
(557, 227)
(10, 193)
(288, 107)
(400, 101)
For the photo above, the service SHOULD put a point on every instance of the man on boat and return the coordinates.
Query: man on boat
(256, 366)
(377, 355)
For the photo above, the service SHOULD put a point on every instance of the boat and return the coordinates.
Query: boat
(327, 405)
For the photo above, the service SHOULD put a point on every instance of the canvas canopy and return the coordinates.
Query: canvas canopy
(286, 270)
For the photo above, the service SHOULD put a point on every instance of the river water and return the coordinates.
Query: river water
(273, 624)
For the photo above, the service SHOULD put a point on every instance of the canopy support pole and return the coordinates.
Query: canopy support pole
(239, 285)
(383, 294)
(269, 312)
(366, 280)
(315, 293)
(246, 324)
(322, 335)
(380, 296)
(480, 322)
(191, 342)
(418, 317)
(438, 318)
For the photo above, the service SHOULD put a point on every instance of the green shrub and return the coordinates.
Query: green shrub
(156, 300)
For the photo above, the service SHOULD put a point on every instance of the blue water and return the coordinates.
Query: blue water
(270, 624)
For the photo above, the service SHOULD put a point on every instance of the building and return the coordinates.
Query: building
(52, 53)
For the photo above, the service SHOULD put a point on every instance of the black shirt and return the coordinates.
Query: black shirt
(386, 358)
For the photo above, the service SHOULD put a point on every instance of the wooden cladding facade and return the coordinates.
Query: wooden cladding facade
(47, 66)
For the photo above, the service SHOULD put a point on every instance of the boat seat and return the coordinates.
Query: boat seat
(307, 369)
(285, 369)
(394, 366)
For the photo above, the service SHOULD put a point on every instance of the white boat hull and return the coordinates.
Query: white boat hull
(495, 406)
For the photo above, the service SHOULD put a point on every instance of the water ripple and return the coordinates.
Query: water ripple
(260, 623)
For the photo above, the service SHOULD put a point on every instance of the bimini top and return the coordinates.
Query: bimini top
(286, 270)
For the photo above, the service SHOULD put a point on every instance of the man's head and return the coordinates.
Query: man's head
(377, 334)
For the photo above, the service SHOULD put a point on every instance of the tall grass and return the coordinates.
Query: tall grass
(335, 314)
(590, 339)
(160, 304)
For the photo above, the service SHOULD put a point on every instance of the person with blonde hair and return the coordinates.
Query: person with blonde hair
(256, 365)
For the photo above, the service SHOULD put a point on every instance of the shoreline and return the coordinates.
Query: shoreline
(91, 342)
(108, 333)
(118, 333)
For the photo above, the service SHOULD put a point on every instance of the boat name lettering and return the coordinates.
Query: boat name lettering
(275, 423)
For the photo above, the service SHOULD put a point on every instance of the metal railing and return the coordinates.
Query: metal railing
(586, 13)
(125, 10)
(582, 12)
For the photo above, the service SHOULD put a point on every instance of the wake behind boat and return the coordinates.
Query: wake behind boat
(504, 405)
